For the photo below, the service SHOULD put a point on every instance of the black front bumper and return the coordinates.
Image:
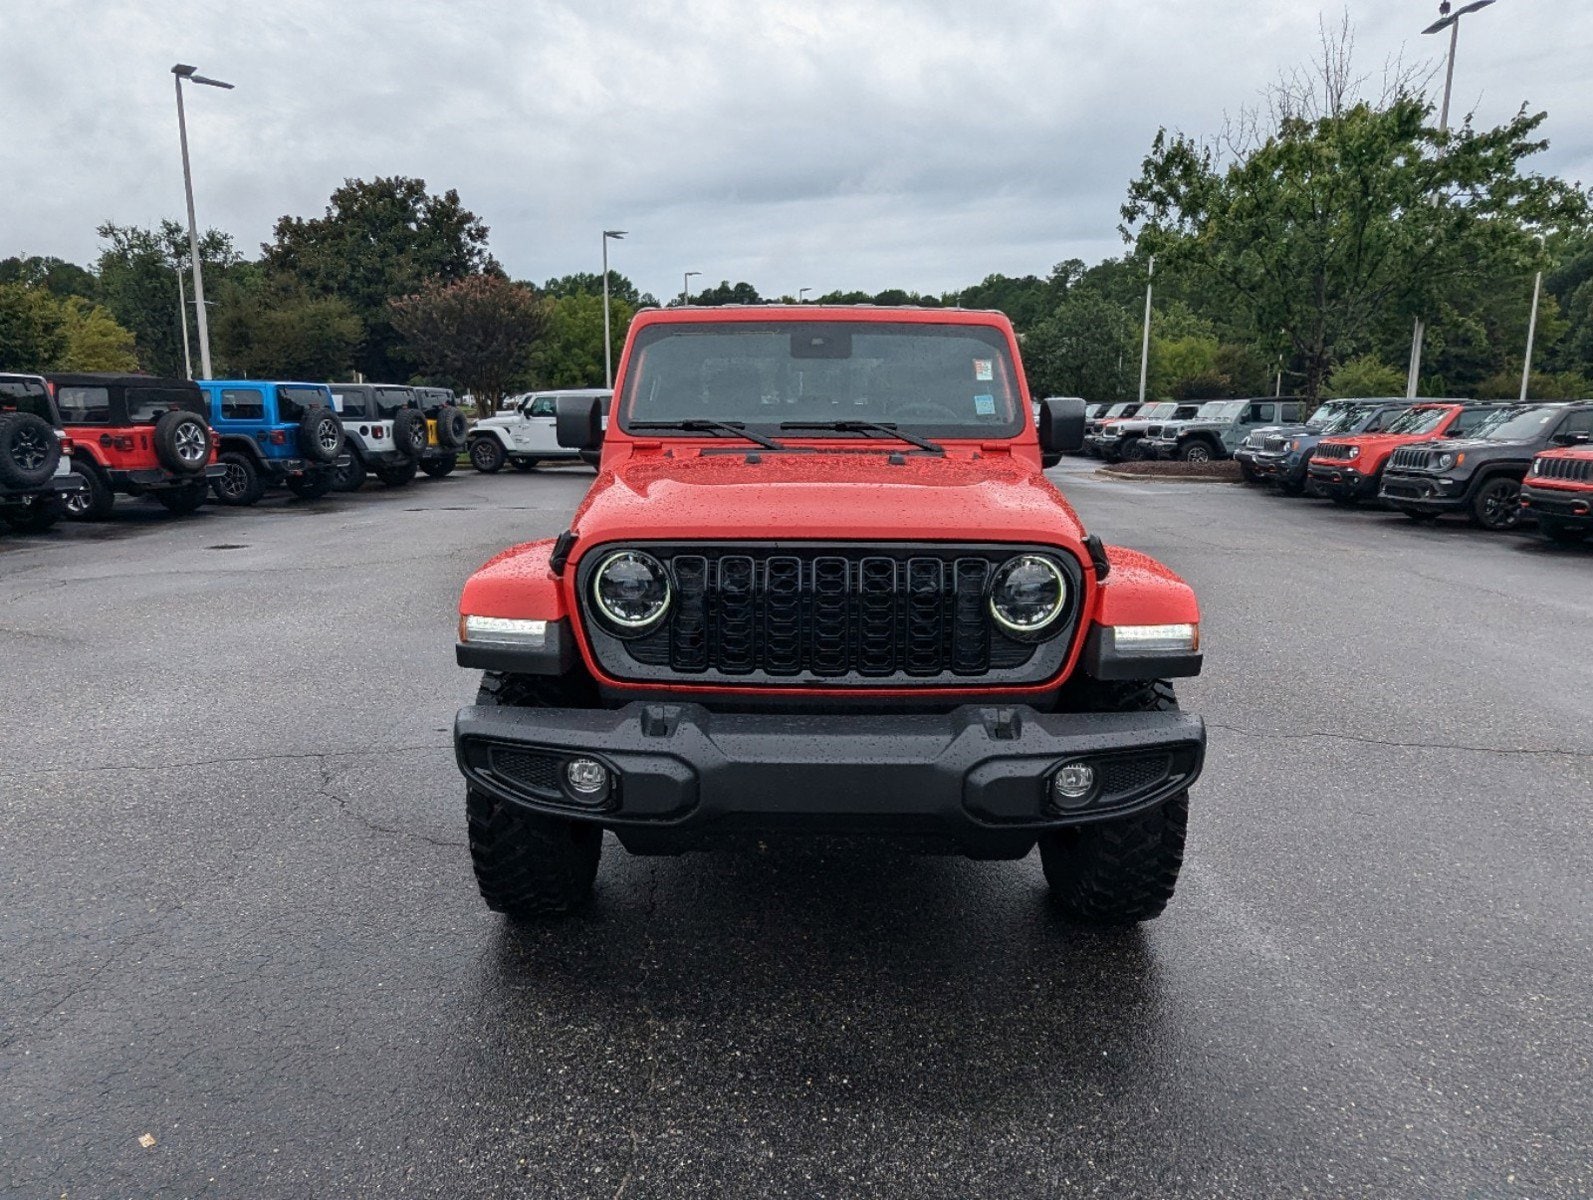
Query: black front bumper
(1568, 507)
(1423, 493)
(977, 778)
(1333, 480)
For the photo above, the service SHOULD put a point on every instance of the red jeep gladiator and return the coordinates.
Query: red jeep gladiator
(139, 435)
(821, 584)
(1558, 491)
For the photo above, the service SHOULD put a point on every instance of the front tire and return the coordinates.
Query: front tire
(487, 455)
(528, 865)
(1497, 504)
(1123, 871)
(1195, 452)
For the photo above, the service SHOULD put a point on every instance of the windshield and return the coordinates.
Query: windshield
(390, 400)
(1517, 423)
(293, 401)
(1116, 410)
(26, 395)
(1350, 418)
(1418, 420)
(1157, 412)
(1219, 410)
(957, 380)
(1324, 416)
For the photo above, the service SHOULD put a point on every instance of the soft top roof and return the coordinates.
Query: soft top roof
(304, 383)
(111, 379)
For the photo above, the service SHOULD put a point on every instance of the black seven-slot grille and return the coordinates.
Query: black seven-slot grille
(1275, 445)
(865, 615)
(1413, 459)
(1333, 450)
(1577, 470)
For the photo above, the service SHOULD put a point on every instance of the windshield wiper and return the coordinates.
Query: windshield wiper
(887, 428)
(702, 425)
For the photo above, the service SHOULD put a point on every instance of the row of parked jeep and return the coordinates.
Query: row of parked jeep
(70, 443)
(1499, 464)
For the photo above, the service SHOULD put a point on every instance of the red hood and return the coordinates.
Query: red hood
(1577, 452)
(826, 497)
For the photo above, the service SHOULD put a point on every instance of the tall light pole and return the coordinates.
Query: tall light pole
(182, 319)
(608, 341)
(1450, 21)
(1144, 349)
(1532, 333)
(179, 73)
(685, 286)
(802, 294)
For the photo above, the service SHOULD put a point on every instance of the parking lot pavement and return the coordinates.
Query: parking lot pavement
(243, 954)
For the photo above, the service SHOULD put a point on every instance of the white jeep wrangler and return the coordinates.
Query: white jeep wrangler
(385, 431)
(525, 435)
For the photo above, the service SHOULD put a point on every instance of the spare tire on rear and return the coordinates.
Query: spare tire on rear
(320, 434)
(29, 450)
(409, 432)
(451, 427)
(182, 442)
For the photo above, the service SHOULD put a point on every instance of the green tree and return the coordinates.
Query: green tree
(588, 283)
(137, 272)
(33, 334)
(728, 293)
(378, 241)
(1088, 347)
(267, 327)
(94, 341)
(478, 333)
(1334, 225)
(570, 352)
(55, 275)
(1365, 376)
(1506, 385)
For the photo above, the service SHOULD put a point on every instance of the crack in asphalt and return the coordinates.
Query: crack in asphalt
(1307, 735)
(346, 806)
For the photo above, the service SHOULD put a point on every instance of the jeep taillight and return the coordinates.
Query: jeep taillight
(278, 438)
(377, 432)
(66, 445)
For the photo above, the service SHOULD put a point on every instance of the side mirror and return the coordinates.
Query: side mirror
(1569, 439)
(1061, 429)
(578, 423)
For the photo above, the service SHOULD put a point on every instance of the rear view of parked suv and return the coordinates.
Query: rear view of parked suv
(1481, 475)
(273, 434)
(137, 435)
(35, 457)
(386, 433)
(446, 428)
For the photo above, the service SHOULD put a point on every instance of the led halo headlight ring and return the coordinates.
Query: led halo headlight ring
(632, 623)
(1037, 625)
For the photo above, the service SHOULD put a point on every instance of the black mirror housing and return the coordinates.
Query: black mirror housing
(1061, 429)
(578, 422)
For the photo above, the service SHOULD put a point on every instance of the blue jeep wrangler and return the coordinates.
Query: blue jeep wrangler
(274, 434)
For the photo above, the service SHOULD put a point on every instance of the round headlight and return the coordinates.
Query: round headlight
(1355, 452)
(1028, 593)
(1445, 461)
(631, 590)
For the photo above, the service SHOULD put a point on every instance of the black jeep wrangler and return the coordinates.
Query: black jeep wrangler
(35, 457)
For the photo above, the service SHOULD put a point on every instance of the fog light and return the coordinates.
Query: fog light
(1074, 782)
(586, 776)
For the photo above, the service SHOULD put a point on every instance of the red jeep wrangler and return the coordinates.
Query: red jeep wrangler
(138, 435)
(1558, 491)
(821, 584)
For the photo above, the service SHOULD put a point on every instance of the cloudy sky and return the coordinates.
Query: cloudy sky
(792, 143)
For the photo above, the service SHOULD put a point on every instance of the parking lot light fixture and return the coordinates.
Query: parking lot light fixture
(1532, 333)
(685, 286)
(1144, 350)
(802, 295)
(608, 340)
(1450, 21)
(181, 72)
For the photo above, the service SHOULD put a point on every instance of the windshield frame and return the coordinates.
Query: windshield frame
(994, 376)
(1508, 414)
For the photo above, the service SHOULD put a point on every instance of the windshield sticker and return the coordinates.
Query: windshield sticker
(984, 369)
(985, 406)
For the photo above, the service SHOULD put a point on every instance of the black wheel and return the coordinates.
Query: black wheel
(1132, 450)
(486, 454)
(528, 865)
(1497, 504)
(35, 515)
(1123, 871)
(182, 499)
(437, 468)
(240, 485)
(94, 500)
(182, 442)
(409, 432)
(525, 464)
(350, 477)
(451, 427)
(1195, 452)
(320, 435)
(29, 450)
(397, 476)
(312, 485)
(1562, 532)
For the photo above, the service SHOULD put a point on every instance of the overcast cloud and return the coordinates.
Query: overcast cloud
(819, 143)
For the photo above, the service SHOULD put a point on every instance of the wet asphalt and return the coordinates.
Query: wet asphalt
(241, 952)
